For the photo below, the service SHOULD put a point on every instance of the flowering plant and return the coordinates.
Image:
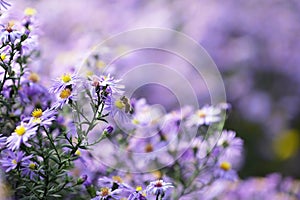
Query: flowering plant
(56, 141)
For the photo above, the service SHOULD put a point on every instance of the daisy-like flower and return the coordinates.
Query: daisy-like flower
(29, 168)
(65, 96)
(224, 170)
(230, 146)
(61, 83)
(11, 160)
(137, 195)
(204, 116)
(106, 193)
(110, 82)
(4, 4)
(21, 135)
(116, 182)
(43, 118)
(158, 187)
(119, 108)
(8, 34)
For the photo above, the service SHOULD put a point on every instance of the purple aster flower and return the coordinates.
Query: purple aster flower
(10, 160)
(231, 147)
(61, 83)
(106, 193)
(32, 94)
(137, 195)
(29, 168)
(109, 82)
(116, 182)
(119, 108)
(8, 34)
(43, 118)
(158, 187)
(65, 96)
(224, 170)
(4, 4)
(204, 116)
(21, 135)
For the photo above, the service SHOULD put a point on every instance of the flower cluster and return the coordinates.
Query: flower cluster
(83, 138)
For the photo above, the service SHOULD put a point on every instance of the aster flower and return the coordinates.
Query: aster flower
(110, 82)
(119, 108)
(137, 195)
(32, 93)
(21, 135)
(10, 160)
(61, 83)
(224, 170)
(43, 118)
(230, 146)
(106, 193)
(158, 187)
(4, 4)
(116, 182)
(65, 96)
(8, 34)
(28, 169)
(204, 116)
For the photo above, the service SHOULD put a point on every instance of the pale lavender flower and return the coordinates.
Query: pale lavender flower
(33, 93)
(204, 116)
(107, 193)
(136, 196)
(65, 97)
(119, 108)
(29, 168)
(10, 160)
(224, 170)
(231, 147)
(43, 118)
(21, 135)
(61, 83)
(110, 82)
(158, 187)
(114, 182)
(8, 34)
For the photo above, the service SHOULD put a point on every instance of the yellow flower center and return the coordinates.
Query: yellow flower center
(66, 78)
(34, 77)
(14, 161)
(138, 188)
(148, 148)
(104, 191)
(2, 56)
(201, 114)
(117, 179)
(30, 11)
(32, 165)
(20, 130)
(135, 121)
(119, 104)
(65, 93)
(77, 152)
(225, 166)
(37, 113)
